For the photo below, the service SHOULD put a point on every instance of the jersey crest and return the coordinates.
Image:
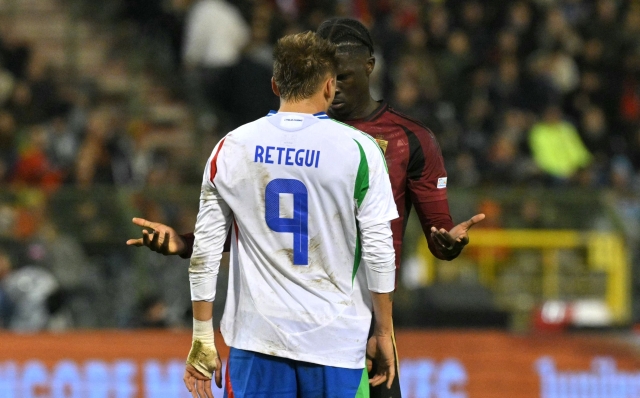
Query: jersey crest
(382, 144)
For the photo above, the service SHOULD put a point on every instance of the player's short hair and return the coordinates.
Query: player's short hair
(300, 64)
(347, 33)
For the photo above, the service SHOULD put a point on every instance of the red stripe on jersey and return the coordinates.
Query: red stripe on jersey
(227, 382)
(214, 166)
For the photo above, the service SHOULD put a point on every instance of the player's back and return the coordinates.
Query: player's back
(295, 183)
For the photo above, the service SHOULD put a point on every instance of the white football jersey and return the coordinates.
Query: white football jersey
(295, 189)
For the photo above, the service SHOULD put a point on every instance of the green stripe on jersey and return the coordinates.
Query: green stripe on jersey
(357, 256)
(359, 193)
(384, 160)
(362, 178)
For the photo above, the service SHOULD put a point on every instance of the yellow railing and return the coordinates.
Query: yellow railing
(606, 252)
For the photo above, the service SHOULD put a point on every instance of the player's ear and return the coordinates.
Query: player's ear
(274, 87)
(329, 88)
(370, 65)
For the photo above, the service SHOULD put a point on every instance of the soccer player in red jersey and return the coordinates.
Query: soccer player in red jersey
(416, 168)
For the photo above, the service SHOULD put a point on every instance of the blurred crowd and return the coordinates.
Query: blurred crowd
(535, 91)
(65, 142)
(518, 93)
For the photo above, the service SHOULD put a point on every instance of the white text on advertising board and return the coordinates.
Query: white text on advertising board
(421, 378)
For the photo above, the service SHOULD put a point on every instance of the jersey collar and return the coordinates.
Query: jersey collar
(378, 111)
(319, 115)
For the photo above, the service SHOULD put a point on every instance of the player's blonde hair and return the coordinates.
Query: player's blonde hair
(301, 62)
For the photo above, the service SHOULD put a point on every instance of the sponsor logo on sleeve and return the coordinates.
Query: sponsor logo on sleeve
(442, 182)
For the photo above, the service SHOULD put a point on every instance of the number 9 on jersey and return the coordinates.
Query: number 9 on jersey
(298, 225)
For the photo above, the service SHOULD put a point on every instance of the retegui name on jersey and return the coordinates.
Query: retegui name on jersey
(287, 156)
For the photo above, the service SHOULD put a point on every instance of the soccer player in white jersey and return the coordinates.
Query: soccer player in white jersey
(309, 203)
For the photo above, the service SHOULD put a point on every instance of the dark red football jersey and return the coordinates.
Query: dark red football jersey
(416, 169)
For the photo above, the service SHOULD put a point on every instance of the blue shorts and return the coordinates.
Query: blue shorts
(253, 375)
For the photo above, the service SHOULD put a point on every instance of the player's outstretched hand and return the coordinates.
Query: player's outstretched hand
(162, 239)
(452, 242)
(380, 348)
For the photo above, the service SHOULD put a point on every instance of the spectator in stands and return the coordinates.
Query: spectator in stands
(32, 167)
(454, 60)
(506, 162)
(562, 70)
(416, 67)
(29, 288)
(438, 26)
(474, 24)
(506, 87)
(8, 146)
(605, 26)
(44, 91)
(21, 105)
(252, 95)
(62, 146)
(94, 162)
(7, 82)
(556, 146)
(153, 313)
(556, 32)
(595, 133)
(216, 34)
(465, 171)
(6, 305)
(631, 29)
(14, 56)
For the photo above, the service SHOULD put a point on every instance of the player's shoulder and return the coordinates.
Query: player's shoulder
(248, 130)
(414, 125)
(237, 138)
(360, 137)
(342, 128)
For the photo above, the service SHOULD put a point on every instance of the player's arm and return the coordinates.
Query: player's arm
(378, 257)
(375, 209)
(214, 220)
(165, 240)
(427, 187)
(203, 362)
(162, 239)
(445, 240)
(435, 216)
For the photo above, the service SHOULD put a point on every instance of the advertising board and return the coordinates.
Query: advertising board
(434, 364)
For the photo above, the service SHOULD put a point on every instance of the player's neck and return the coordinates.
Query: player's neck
(309, 105)
(363, 110)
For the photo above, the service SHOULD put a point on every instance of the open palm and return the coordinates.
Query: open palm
(452, 242)
(163, 239)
